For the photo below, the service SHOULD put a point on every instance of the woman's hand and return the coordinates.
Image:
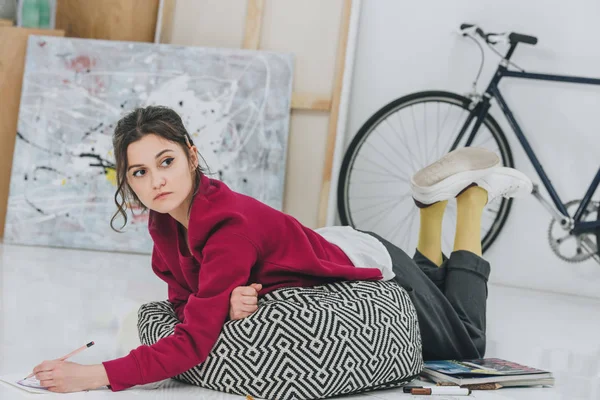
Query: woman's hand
(65, 377)
(244, 300)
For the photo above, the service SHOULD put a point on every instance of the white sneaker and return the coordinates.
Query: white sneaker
(451, 174)
(505, 182)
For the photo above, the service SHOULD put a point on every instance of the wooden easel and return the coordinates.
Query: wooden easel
(311, 101)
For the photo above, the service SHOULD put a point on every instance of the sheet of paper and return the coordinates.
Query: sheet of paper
(30, 385)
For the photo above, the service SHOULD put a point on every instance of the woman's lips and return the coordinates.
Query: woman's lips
(162, 195)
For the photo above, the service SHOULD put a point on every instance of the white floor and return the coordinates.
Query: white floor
(55, 300)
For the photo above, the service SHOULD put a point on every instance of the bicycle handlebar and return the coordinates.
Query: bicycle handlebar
(464, 27)
(519, 37)
(512, 37)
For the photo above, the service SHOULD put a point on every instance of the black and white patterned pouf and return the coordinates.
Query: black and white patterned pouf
(307, 343)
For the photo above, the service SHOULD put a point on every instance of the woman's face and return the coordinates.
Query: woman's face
(159, 173)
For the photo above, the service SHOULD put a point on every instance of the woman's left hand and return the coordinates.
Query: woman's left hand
(65, 377)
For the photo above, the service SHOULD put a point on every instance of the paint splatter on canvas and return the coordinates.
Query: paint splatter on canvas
(234, 103)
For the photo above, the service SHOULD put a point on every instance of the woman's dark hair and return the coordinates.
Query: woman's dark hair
(156, 120)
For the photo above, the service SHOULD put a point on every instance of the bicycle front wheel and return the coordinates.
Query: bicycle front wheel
(404, 136)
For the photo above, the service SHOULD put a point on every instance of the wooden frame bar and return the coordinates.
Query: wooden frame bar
(254, 18)
(311, 101)
(334, 116)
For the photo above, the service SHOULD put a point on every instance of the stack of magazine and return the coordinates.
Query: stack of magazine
(488, 373)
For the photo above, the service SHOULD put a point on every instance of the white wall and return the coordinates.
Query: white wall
(405, 47)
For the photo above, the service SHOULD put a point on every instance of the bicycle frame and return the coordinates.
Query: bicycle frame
(482, 108)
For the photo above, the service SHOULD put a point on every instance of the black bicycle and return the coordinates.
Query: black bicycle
(415, 130)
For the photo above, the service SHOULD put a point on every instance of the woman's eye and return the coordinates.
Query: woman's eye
(139, 172)
(167, 162)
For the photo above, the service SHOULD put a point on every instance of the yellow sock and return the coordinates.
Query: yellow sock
(430, 232)
(469, 209)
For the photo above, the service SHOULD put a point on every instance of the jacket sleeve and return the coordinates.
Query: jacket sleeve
(227, 260)
(177, 294)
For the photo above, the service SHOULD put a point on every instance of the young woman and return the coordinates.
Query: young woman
(210, 243)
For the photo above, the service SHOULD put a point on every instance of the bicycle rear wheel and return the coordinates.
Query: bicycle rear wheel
(404, 136)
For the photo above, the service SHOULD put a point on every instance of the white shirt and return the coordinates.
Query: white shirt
(364, 250)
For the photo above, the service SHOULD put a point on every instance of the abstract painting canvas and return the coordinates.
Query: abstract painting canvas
(234, 103)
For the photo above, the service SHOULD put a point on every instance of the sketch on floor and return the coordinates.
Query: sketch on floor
(31, 385)
(234, 103)
(30, 382)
